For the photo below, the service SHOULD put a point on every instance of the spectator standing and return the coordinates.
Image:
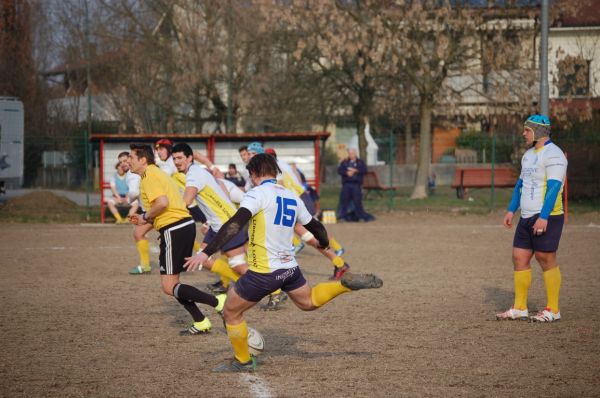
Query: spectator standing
(352, 169)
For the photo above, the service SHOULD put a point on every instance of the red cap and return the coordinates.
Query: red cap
(163, 142)
(270, 151)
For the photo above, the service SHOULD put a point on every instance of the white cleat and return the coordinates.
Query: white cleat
(513, 314)
(546, 316)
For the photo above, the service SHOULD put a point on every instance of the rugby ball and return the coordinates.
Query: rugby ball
(256, 343)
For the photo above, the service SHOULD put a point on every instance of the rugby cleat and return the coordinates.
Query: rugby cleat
(235, 366)
(140, 270)
(339, 272)
(221, 303)
(360, 281)
(513, 314)
(546, 316)
(201, 327)
(298, 248)
(275, 301)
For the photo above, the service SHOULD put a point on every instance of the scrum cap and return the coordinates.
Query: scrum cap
(540, 124)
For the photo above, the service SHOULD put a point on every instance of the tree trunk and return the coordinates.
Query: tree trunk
(362, 137)
(425, 112)
(408, 141)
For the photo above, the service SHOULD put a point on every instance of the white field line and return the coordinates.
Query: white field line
(258, 387)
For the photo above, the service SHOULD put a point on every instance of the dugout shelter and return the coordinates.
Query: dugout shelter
(302, 148)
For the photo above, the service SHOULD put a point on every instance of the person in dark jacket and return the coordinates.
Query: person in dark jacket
(352, 169)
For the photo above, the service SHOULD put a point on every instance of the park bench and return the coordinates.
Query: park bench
(371, 183)
(481, 177)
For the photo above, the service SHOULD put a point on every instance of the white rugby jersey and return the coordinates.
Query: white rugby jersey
(168, 166)
(290, 179)
(213, 202)
(235, 193)
(133, 183)
(537, 167)
(275, 210)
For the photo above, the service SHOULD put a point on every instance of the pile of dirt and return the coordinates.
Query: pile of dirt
(41, 205)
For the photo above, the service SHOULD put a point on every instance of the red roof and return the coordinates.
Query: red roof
(587, 14)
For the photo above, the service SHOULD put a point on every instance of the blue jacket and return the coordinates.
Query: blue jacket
(356, 178)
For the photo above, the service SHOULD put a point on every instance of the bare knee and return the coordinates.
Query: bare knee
(546, 260)
(232, 317)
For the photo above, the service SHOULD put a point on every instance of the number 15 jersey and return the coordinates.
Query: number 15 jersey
(275, 211)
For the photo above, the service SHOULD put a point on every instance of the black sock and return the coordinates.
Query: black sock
(192, 309)
(190, 293)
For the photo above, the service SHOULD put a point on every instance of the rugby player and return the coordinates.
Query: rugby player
(292, 181)
(166, 212)
(272, 211)
(538, 193)
(203, 188)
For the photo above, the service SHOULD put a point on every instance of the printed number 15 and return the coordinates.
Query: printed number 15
(286, 215)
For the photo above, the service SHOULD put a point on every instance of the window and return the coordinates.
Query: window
(573, 77)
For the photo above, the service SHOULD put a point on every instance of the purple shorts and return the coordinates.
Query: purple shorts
(253, 286)
(547, 242)
(238, 240)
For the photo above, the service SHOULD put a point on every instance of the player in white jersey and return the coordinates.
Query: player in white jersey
(164, 160)
(272, 211)
(291, 180)
(202, 187)
(538, 193)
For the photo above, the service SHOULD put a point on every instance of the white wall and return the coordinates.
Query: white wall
(584, 42)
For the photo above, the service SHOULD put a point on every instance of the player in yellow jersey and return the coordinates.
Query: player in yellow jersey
(272, 211)
(167, 213)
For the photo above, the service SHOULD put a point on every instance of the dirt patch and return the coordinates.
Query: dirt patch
(41, 206)
(75, 324)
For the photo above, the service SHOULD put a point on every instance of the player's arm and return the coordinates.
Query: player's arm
(189, 195)
(513, 206)
(203, 160)
(556, 169)
(319, 231)
(552, 190)
(232, 227)
(160, 204)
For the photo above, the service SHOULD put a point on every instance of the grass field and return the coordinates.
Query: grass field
(75, 324)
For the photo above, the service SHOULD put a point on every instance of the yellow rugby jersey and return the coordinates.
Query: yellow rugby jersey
(275, 211)
(289, 178)
(214, 203)
(155, 183)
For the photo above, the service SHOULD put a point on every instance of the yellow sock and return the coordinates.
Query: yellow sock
(238, 335)
(334, 244)
(224, 281)
(552, 279)
(278, 291)
(118, 218)
(196, 246)
(295, 241)
(338, 262)
(143, 248)
(326, 291)
(522, 283)
(222, 268)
